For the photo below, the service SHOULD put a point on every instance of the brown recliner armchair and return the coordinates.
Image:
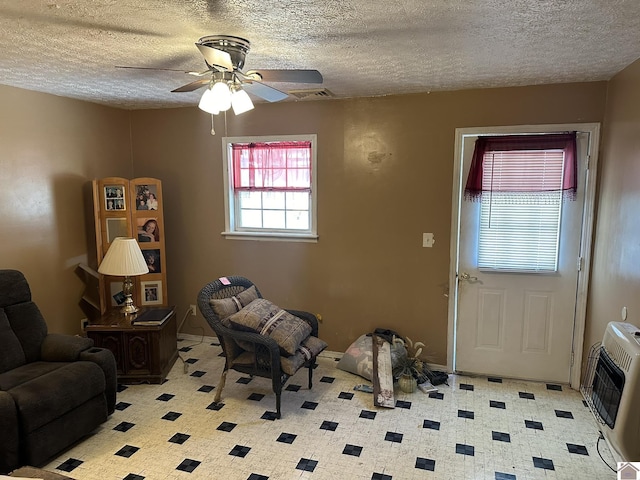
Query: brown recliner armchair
(252, 353)
(54, 388)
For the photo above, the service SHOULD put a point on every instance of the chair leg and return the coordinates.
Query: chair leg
(311, 374)
(278, 414)
(223, 378)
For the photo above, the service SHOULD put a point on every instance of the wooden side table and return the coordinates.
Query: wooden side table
(144, 353)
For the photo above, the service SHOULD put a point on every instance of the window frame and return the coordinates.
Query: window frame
(230, 200)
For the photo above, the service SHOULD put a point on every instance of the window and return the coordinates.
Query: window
(521, 182)
(270, 187)
(520, 230)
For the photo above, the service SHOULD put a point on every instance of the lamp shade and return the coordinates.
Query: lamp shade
(208, 103)
(124, 258)
(221, 96)
(240, 101)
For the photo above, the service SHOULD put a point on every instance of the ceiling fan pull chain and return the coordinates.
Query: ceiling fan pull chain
(213, 132)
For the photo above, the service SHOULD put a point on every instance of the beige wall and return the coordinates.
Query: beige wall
(615, 276)
(50, 148)
(385, 168)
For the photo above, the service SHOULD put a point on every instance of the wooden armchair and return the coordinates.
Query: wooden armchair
(251, 353)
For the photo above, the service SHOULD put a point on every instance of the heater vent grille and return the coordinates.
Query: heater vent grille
(617, 351)
(313, 92)
(613, 391)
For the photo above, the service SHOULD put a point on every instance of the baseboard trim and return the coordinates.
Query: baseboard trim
(326, 354)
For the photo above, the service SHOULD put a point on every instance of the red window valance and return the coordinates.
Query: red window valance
(282, 166)
(530, 162)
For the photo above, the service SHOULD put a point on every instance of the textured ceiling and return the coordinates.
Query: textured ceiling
(362, 47)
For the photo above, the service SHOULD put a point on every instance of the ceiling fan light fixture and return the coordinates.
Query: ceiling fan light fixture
(208, 103)
(240, 101)
(221, 95)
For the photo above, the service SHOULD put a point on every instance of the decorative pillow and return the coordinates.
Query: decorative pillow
(308, 349)
(224, 307)
(262, 316)
(358, 359)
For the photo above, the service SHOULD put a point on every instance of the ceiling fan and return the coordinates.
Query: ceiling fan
(227, 85)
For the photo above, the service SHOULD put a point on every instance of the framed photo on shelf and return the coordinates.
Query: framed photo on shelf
(151, 293)
(146, 197)
(114, 200)
(152, 257)
(117, 295)
(148, 230)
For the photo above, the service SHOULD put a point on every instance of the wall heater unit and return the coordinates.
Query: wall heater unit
(611, 388)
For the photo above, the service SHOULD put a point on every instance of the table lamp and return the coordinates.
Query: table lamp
(124, 259)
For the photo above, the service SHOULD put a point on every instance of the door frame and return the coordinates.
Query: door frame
(585, 242)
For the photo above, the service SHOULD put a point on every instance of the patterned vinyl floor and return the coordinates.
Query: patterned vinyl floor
(472, 428)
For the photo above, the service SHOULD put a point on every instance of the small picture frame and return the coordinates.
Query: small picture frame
(148, 230)
(146, 197)
(152, 257)
(116, 227)
(114, 200)
(151, 293)
(117, 295)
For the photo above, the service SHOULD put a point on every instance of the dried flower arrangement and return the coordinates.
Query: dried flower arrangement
(409, 361)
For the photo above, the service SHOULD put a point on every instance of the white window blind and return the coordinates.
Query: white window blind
(520, 228)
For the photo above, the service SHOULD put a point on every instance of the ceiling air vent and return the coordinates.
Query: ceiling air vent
(312, 92)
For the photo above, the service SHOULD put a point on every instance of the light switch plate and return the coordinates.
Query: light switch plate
(428, 240)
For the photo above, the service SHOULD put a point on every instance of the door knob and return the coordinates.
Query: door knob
(467, 277)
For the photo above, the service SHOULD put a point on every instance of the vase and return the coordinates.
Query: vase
(407, 383)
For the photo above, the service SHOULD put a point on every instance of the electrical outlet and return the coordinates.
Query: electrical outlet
(192, 309)
(83, 323)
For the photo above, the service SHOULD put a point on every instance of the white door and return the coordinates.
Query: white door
(518, 325)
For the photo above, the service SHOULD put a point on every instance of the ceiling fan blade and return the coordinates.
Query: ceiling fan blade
(190, 87)
(189, 72)
(215, 57)
(288, 76)
(261, 90)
